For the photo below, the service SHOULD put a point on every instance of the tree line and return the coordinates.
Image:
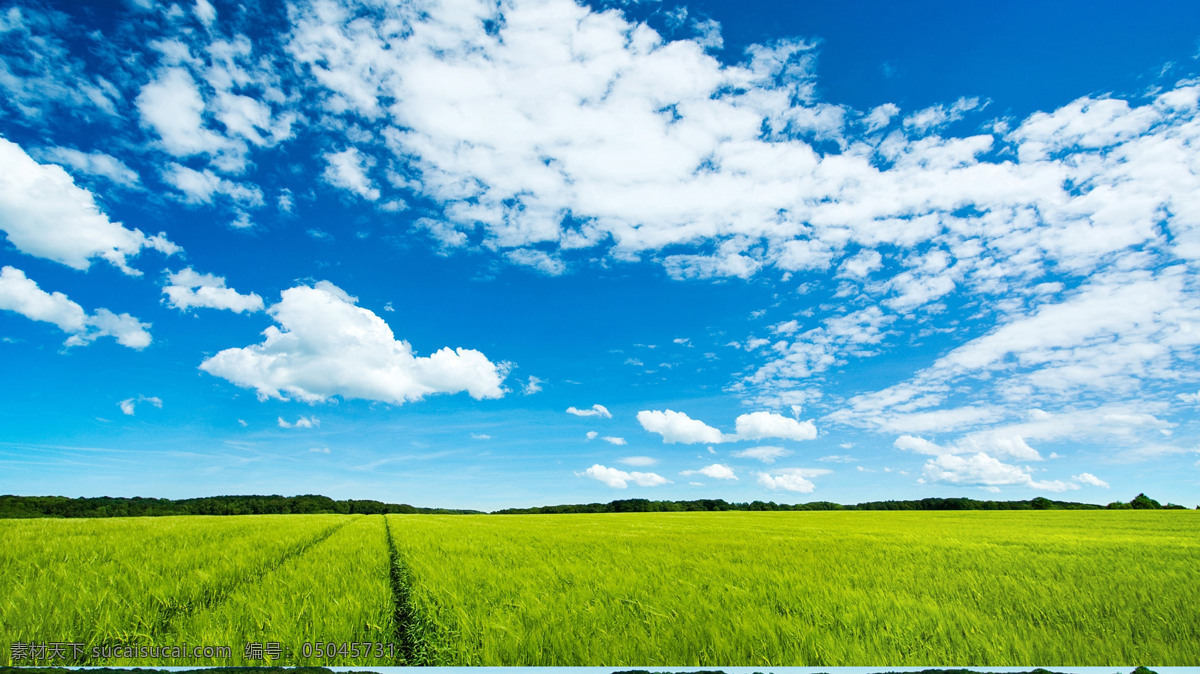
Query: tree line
(105, 506)
(1140, 502)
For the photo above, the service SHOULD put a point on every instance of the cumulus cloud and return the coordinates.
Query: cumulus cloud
(204, 186)
(45, 214)
(301, 422)
(619, 479)
(716, 471)
(1088, 478)
(678, 427)
(325, 346)
(983, 470)
(187, 288)
(791, 479)
(129, 405)
(761, 425)
(766, 454)
(348, 170)
(21, 294)
(596, 410)
(995, 442)
(127, 330)
(171, 105)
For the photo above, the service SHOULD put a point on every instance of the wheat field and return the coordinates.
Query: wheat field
(1009, 588)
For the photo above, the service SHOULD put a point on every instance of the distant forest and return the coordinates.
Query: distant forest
(326, 670)
(104, 506)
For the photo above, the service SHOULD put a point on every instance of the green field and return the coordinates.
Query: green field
(711, 589)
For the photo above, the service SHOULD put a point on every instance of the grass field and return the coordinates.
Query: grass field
(711, 589)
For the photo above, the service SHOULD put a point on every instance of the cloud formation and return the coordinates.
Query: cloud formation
(791, 479)
(129, 405)
(596, 410)
(186, 289)
(21, 294)
(326, 346)
(716, 471)
(619, 479)
(679, 427)
(301, 422)
(45, 214)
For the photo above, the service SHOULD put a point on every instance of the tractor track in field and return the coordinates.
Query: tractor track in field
(215, 597)
(404, 617)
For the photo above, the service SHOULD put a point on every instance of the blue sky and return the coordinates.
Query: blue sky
(484, 255)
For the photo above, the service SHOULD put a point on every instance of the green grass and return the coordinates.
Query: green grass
(827, 589)
(338, 591)
(122, 581)
(1018, 588)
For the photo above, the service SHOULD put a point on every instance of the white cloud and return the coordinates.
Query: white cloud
(1088, 478)
(792, 479)
(716, 471)
(928, 119)
(542, 261)
(172, 106)
(21, 294)
(592, 435)
(480, 436)
(678, 427)
(327, 346)
(348, 170)
(46, 215)
(319, 450)
(596, 410)
(533, 385)
(129, 405)
(761, 425)
(202, 187)
(862, 264)
(880, 116)
(127, 330)
(998, 441)
(302, 422)
(619, 479)
(986, 471)
(639, 461)
(187, 288)
(920, 446)
(613, 440)
(766, 454)
(93, 164)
